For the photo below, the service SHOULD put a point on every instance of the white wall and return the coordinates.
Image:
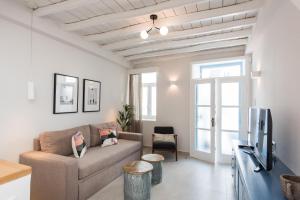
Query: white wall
(276, 50)
(22, 120)
(173, 102)
(296, 3)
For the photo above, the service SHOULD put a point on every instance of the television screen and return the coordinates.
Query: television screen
(253, 124)
(260, 128)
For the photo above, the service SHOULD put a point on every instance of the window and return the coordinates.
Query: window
(216, 70)
(149, 96)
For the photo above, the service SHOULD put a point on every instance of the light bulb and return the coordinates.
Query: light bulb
(144, 35)
(164, 30)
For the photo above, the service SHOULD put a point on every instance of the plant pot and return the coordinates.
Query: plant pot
(290, 186)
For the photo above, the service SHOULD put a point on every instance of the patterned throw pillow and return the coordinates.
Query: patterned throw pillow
(108, 137)
(78, 145)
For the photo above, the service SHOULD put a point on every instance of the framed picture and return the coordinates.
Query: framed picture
(91, 95)
(65, 94)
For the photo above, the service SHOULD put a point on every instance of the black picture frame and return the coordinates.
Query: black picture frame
(84, 108)
(56, 75)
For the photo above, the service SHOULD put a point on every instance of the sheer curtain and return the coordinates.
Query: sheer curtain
(135, 102)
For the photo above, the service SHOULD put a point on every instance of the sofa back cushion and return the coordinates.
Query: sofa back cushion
(95, 135)
(36, 144)
(60, 142)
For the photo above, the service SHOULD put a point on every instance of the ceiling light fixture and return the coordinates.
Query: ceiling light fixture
(162, 30)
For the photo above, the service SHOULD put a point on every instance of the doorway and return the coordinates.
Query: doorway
(218, 110)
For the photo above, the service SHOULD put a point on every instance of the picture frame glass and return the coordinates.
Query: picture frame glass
(92, 94)
(66, 94)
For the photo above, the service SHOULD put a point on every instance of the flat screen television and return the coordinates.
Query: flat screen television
(260, 128)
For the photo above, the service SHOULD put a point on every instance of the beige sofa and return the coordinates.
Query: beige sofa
(57, 175)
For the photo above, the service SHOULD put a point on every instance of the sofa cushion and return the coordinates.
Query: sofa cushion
(98, 158)
(95, 137)
(60, 142)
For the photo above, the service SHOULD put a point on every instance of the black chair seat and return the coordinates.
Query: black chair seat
(164, 145)
(164, 139)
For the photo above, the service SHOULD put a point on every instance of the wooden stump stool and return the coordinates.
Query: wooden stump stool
(155, 160)
(137, 180)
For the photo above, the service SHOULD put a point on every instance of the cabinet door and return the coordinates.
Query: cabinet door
(240, 189)
(245, 194)
(236, 180)
(18, 189)
(235, 172)
(242, 195)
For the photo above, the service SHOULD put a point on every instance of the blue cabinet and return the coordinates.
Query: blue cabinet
(239, 185)
(250, 185)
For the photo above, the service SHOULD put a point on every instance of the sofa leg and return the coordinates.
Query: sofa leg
(176, 155)
(152, 150)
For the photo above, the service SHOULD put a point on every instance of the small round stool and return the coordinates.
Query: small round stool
(155, 160)
(137, 180)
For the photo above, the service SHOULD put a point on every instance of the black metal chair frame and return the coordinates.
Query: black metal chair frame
(165, 130)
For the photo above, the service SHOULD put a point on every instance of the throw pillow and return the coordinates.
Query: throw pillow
(78, 145)
(164, 137)
(108, 137)
(109, 142)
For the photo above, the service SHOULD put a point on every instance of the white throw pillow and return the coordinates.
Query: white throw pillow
(109, 142)
(78, 145)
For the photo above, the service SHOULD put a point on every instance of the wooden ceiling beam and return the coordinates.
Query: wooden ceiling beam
(201, 47)
(149, 61)
(121, 16)
(186, 42)
(61, 6)
(182, 19)
(125, 44)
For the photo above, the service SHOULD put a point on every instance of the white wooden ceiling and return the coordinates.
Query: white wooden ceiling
(194, 25)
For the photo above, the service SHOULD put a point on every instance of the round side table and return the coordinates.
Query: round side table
(155, 160)
(137, 180)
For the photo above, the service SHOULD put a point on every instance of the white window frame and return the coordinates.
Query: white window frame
(142, 71)
(244, 68)
(149, 116)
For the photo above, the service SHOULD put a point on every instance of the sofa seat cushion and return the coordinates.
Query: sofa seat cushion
(98, 158)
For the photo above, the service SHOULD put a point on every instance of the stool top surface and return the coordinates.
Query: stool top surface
(153, 157)
(137, 167)
(10, 171)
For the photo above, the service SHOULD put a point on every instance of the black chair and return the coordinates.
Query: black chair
(164, 139)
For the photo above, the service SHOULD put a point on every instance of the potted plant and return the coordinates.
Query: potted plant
(125, 117)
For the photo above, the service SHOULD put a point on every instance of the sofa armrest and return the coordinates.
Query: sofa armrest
(130, 136)
(53, 176)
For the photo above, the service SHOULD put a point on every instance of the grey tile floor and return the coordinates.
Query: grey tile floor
(187, 179)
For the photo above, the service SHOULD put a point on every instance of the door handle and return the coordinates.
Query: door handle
(213, 122)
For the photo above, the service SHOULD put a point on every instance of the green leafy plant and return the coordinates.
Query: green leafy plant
(125, 117)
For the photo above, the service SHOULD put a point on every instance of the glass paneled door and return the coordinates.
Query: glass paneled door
(230, 111)
(218, 117)
(203, 112)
